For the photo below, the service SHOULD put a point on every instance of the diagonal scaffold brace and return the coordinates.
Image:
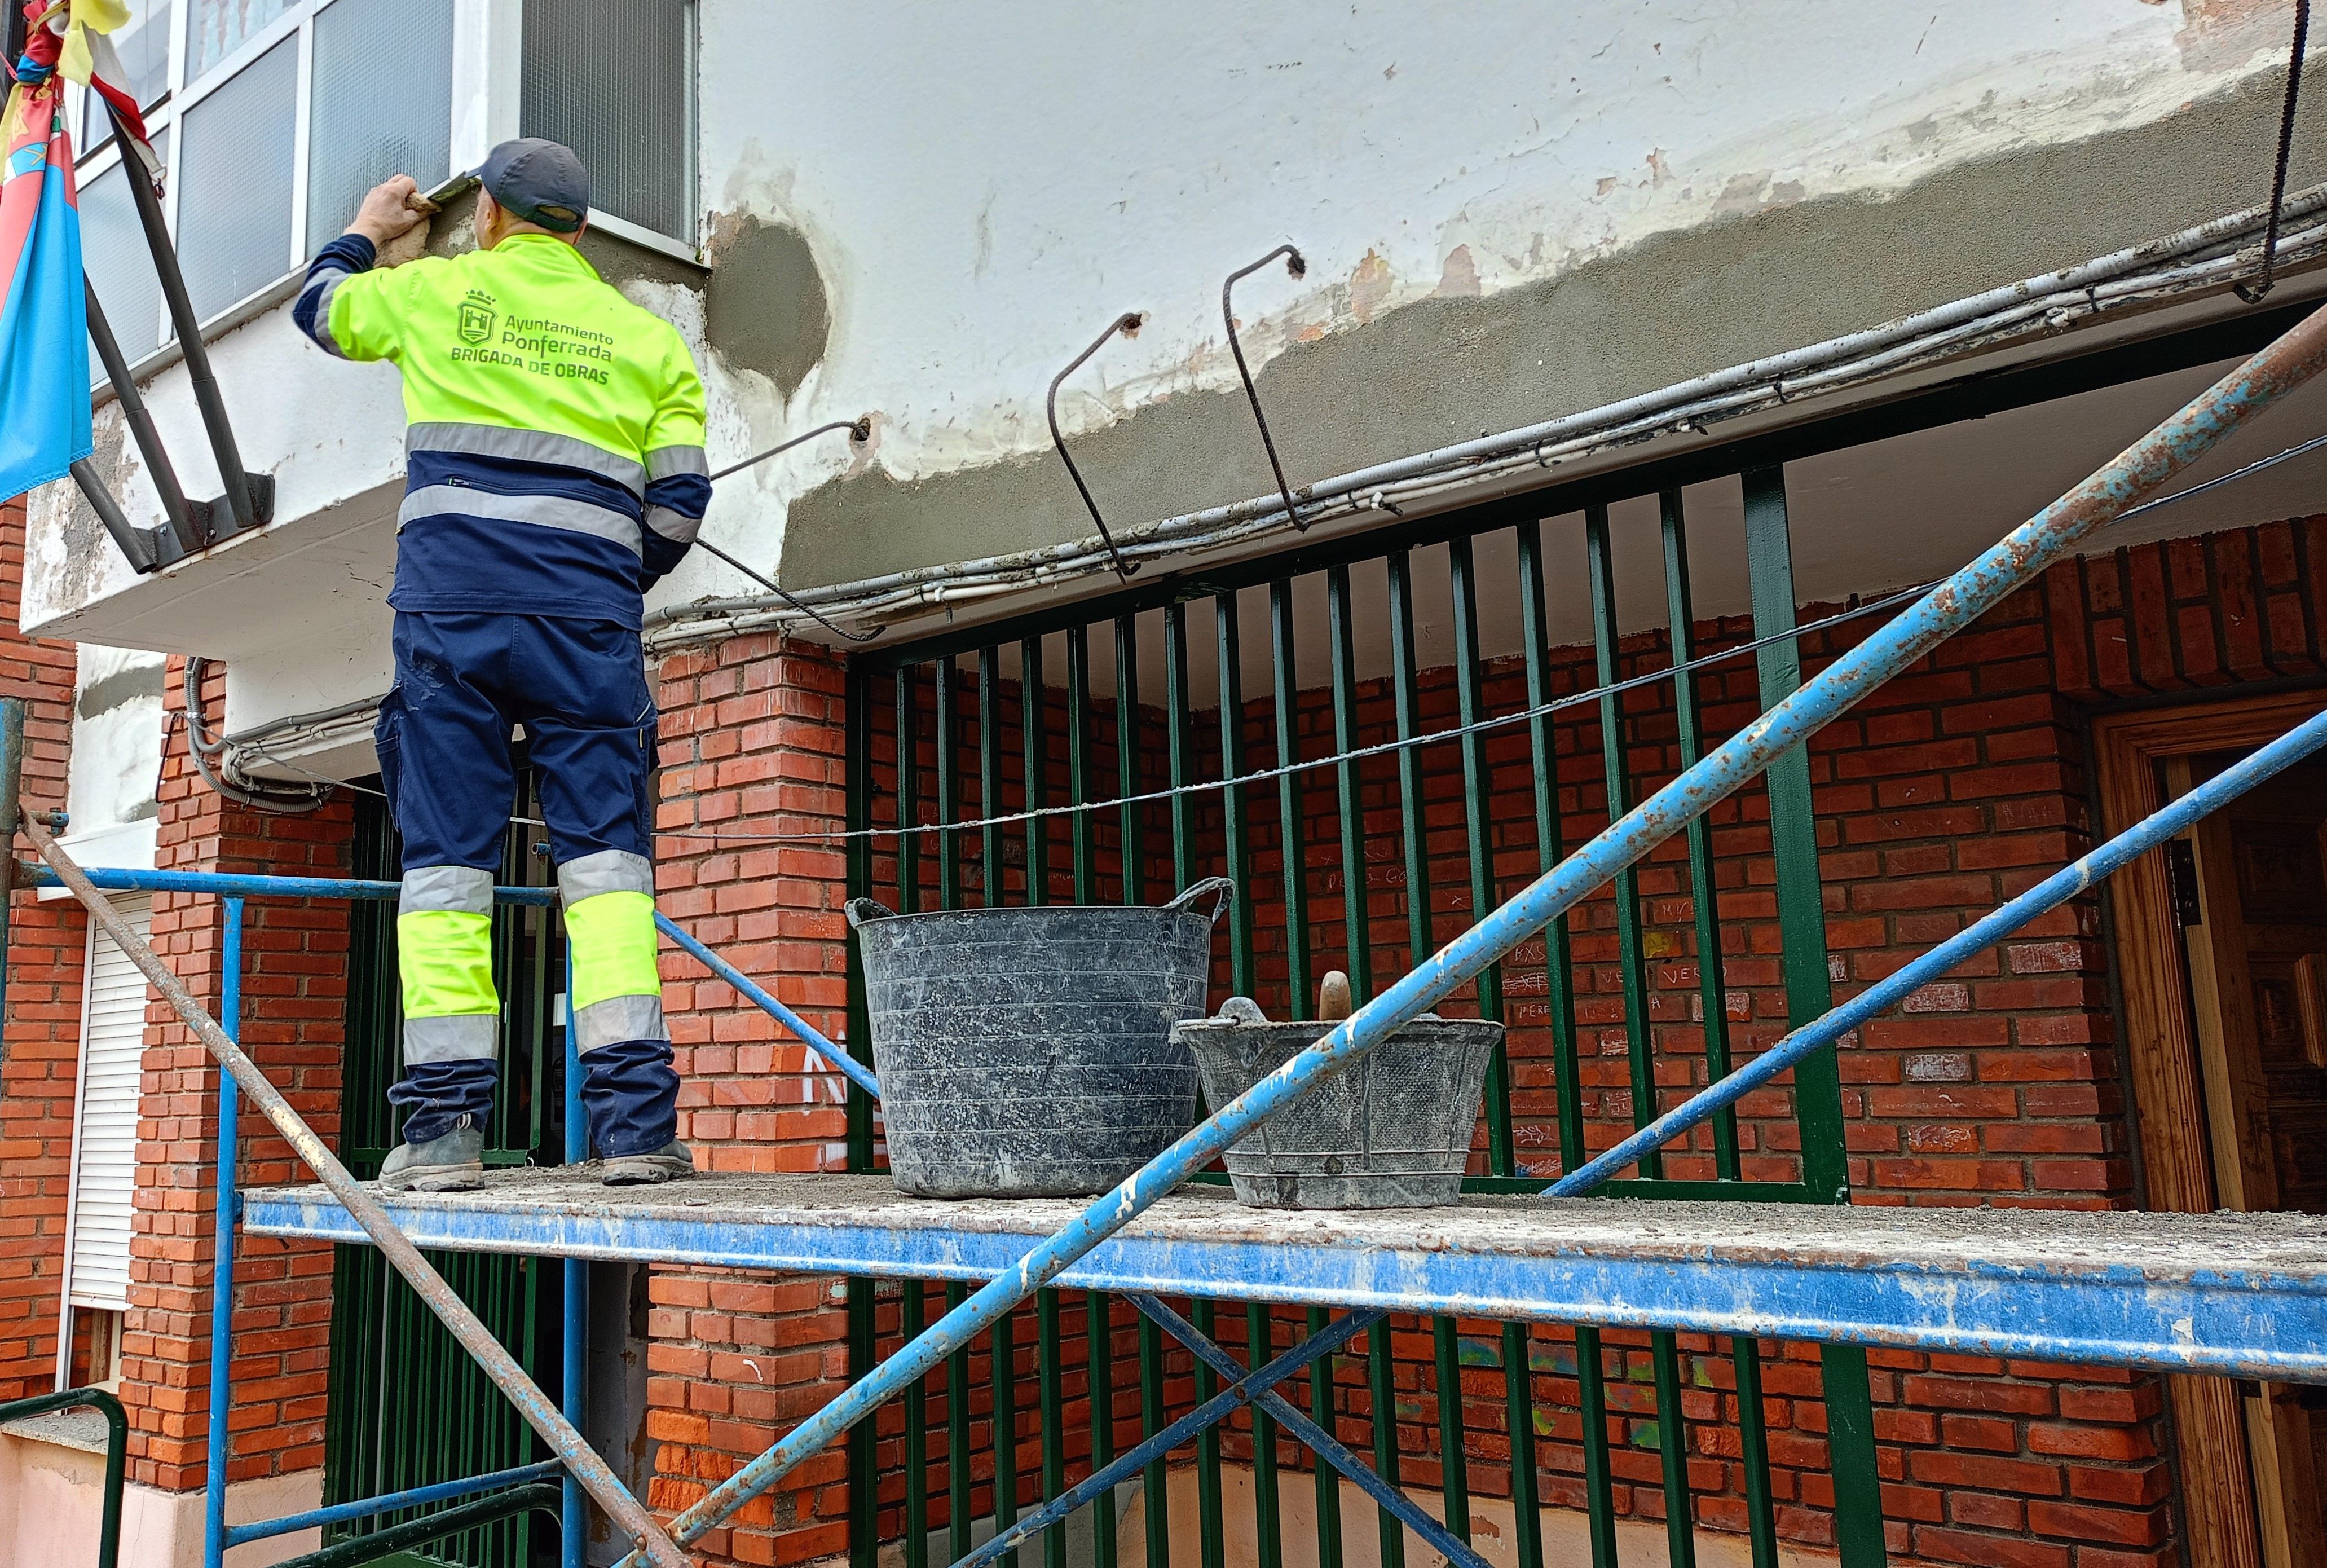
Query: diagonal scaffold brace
(540, 1411)
(2186, 436)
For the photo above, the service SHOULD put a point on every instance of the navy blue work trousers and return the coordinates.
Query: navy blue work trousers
(464, 683)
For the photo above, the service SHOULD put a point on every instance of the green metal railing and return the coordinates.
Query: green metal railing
(1363, 864)
(108, 1550)
(407, 1406)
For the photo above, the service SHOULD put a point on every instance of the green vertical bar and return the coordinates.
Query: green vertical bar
(1321, 1411)
(1638, 1046)
(1704, 894)
(1126, 757)
(1599, 1487)
(1035, 732)
(1518, 1382)
(1292, 825)
(909, 791)
(1358, 934)
(912, 1312)
(1793, 831)
(1672, 1437)
(1753, 1453)
(1462, 577)
(1098, 1373)
(1413, 839)
(1752, 1424)
(1453, 1455)
(1235, 829)
(864, 1462)
(989, 775)
(1817, 1082)
(1381, 1391)
(1357, 927)
(1518, 1404)
(1211, 1526)
(1054, 1422)
(1672, 1447)
(1002, 1367)
(1080, 771)
(958, 1453)
(1268, 1530)
(1155, 1479)
(1420, 942)
(948, 788)
(1179, 745)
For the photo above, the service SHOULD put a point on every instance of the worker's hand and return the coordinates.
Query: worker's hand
(391, 209)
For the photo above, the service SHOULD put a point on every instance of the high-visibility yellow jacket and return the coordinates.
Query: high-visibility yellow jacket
(554, 464)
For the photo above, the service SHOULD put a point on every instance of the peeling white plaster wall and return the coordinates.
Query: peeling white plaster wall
(117, 752)
(986, 189)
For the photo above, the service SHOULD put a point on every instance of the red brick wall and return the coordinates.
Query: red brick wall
(753, 737)
(40, 1041)
(292, 1016)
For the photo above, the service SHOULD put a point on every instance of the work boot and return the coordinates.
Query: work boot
(672, 1161)
(454, 1162)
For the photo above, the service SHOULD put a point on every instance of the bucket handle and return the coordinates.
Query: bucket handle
(1211, 885)
(860, 910)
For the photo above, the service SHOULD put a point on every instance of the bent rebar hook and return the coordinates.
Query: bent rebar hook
(1128, 325)
(860, 431)
(1296, 267)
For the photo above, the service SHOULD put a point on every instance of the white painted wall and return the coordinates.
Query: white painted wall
(986, 187)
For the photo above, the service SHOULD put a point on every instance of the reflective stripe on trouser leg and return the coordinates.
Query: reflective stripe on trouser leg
(610, 926)
(628, 1090)
(451, 1011)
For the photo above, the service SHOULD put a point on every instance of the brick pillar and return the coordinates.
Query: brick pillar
(41, 1046)
(293, 1002)
(752, 742)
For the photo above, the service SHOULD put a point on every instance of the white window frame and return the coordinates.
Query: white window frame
(488, 69)
(66, 1309)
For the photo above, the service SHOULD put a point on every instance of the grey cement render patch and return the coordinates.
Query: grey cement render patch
(119, 688)
(765, 309)
(1675, 306)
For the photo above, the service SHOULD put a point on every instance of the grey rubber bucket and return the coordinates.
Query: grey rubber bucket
(1390, 1131)
(1026, 1051)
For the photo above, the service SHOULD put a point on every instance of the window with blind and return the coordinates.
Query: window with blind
(105, 1129)
(615, 80)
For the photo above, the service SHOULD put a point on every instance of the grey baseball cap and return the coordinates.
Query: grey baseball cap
(540, 181)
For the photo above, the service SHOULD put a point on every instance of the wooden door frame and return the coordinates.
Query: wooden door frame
(2161, 1043)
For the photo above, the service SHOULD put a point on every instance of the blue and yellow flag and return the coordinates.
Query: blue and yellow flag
(45, 424)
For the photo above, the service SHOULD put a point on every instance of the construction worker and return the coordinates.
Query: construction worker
(554, 472)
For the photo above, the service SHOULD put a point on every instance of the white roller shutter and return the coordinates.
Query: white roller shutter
(105, 1136)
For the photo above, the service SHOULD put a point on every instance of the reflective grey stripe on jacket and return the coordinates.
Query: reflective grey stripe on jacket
(527, 446)
(673, 462)
(547, 511)
(323, 287)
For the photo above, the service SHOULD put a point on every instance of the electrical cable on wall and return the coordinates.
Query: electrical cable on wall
(203, 747)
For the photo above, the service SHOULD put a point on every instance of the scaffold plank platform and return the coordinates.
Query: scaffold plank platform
(2244, 1294)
